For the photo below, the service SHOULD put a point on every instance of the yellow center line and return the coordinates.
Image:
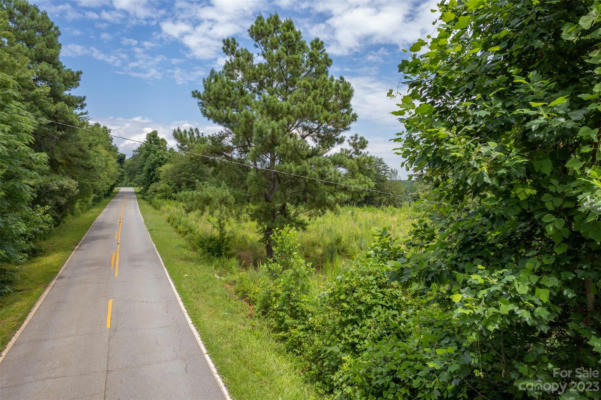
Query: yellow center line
(108, 314)
(117, 261)
(113, 261)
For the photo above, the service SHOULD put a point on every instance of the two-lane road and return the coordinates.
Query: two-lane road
(111, 327)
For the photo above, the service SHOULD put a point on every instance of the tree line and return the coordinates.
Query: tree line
(49, 167)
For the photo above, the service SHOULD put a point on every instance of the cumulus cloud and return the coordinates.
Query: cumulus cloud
(201, 28)
(75, 50)
(370, 101)
(351, 25)
(137, 8)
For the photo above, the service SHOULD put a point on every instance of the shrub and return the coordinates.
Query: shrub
(284, 296)
(360, 307)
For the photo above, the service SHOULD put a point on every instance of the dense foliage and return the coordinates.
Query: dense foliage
(142, 168)
(47, 169)
(20, 165)
(495, 295)
(502, 119)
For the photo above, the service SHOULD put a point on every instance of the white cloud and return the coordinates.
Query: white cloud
(137, 8)
(65, 11)
(92, 3)
(351, 25)
(370, 101)
(76, 50)
(383, 147)
(111, 16)
(378, 55)
(129, 42)
(73, 50)
(137, 127)
(186, 75)
(201, 28)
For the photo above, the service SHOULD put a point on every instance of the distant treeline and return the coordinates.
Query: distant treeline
(49, 166)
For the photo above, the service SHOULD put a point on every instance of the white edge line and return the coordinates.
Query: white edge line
(49, 287)
(190, 324)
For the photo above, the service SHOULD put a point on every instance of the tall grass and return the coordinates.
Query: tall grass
(328, 241)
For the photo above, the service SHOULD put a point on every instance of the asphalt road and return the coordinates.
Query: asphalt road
(111, 327)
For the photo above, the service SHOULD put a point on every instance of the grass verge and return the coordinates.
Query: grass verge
(35, 275)
(251, 362)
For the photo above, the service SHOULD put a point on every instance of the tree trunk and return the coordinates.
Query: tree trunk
(268, 243)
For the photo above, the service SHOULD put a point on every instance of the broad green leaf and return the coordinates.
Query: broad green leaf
(543, 165)
(424, 109)
(587, 21)
(521, 288)
(417, 46)
(560, 248)
(542, 312)
(504, 306)
(574, 164)
(473, 4)
(558, 101)
(588, 133)
(570, 31)
(542, 294)
(463, 22)
(549, 281)
(448, 16)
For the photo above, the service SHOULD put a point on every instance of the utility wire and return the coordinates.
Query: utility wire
(215, 158)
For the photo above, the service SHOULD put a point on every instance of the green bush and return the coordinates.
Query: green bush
(360, 307)
(283, 298)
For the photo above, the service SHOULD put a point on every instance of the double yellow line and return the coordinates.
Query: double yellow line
(115, 263)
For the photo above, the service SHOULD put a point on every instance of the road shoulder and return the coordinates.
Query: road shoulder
(250, 361)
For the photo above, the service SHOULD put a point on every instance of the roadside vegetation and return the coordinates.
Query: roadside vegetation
(34, 275)
(252, 363)
(49, 168)
(494, 288)
(309, 268)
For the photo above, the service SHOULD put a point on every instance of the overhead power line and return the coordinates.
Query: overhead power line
(222, 159)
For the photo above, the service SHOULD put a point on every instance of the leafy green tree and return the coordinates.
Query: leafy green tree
(368, 171)
(219, 204)
(282, 111)
(20, 166)
(73, 179)
(502, 120)
(192, 164)
(143, 168)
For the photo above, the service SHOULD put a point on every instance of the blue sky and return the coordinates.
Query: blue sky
(142, 58)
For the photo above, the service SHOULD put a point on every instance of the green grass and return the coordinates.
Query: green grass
(252, 363)
(329, 240)
(35, 275)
